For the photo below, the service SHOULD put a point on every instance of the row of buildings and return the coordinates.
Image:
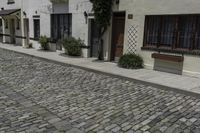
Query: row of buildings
(166, 33)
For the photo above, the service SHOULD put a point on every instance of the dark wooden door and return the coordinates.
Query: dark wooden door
(1, 31)
(94, 38)
(12, 31)
(36, 28)
(118, 35)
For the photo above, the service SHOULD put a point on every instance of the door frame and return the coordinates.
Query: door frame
(113, 47)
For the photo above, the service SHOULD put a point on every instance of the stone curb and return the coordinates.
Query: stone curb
(163, 87)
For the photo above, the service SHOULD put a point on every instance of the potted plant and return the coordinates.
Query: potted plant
(131, 61)
(43, 42)
(72, 46)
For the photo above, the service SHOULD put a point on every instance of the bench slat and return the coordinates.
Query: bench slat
(172, 58)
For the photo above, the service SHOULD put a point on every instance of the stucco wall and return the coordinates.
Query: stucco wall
(79, 21)
(140, 8)
(43, 8)
(76, 7)
(17, 5)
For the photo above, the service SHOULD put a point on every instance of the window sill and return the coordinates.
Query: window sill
(169, 50)
(34, 39)
(10, 2)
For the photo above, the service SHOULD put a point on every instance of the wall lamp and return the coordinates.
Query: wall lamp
(24, 13)
(86, 16)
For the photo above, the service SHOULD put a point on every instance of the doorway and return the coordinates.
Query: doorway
(118, 27)
(61, 27)
(1, 31)
(12, 31)
(94, 34)
(36, 23)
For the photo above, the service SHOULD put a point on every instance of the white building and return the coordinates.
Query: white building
(23, 21)
(165, 33)
(167, 30)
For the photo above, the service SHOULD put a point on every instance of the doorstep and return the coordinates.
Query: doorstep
(180, 83)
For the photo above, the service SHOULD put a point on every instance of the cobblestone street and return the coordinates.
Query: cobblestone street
(40, 96)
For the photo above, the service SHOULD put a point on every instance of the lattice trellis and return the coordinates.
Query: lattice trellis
(132, 39)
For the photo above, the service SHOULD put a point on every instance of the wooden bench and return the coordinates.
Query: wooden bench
(168, 63)
(173, 58)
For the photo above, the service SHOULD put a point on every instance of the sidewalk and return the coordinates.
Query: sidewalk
(183, 83)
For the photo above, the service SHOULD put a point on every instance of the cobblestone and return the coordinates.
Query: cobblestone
(41, 96)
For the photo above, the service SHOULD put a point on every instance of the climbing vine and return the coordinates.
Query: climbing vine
(102, 12)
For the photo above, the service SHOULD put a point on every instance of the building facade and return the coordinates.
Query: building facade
(164, 33)
(23, 21)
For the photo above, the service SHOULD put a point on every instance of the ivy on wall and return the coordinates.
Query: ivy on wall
(102, 12)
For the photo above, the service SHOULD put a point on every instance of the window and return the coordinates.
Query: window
(61, 26)
(152, 30)
(10, 2)
(197, 34)
(175, 32)
(167, 33)
(185, 28)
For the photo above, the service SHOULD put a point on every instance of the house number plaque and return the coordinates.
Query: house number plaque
(130, 16)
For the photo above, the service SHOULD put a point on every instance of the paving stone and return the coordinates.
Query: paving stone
(130, 131)
(193, 120)
(126, 128)
(41, 96)
(110, 127)
(116, 129)
(74, 130)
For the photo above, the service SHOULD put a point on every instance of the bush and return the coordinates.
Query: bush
(72, 46)
(43, 42)
(131, 61)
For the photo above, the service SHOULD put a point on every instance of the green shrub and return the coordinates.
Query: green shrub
(131, 61)
(72, 46)
(43, 42)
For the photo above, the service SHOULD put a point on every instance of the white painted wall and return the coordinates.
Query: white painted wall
(79, 22)
(80, 26)
(60, 8)
(140, 8)
(17, 5)
(43, 8)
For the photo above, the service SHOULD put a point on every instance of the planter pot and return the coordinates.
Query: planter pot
(52, 47)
